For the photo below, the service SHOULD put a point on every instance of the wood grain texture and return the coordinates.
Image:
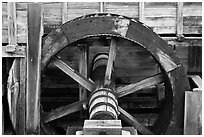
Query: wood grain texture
(192, 17)
(83, 69)
(12, 40)
(122, 91)
(21, 106)
(133, 122)
(76, 9)
(22, 25)
(130, 9)
(82, 80)
(111, 58)
(161, 16)
(193, 113)
(63, 111)
(179, 21)
(33, 68)
(4, 23)
(19, 52)
(13, 91)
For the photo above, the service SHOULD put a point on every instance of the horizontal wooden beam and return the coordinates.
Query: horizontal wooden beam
(18, 51)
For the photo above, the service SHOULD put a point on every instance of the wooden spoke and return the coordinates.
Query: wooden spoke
(111, 58)
(133, 122)
(63, 111)
(122, 91)
(83, 69)
(86, 83)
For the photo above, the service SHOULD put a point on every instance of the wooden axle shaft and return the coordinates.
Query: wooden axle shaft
(103, 102)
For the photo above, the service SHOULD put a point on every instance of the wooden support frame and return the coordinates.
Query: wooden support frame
(12, 29)
(17, 53)
(64, 12)
(141, 12)
(193, 108)
(33, 68)
(13, 50)
(179, 21)
(102, 7)
(111, 59)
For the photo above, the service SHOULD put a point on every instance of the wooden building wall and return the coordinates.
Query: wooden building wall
(168, 19)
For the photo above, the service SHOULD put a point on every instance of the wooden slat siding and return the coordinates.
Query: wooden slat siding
(64, 12)
(129, 9)
(189, 52)
(4, 23)
(33, 68)
(52, 15)
(193, 113)
(161, 16)
(179, 21)
(141, 12)
(21, 16)
(77, 9)
(195, 58)
(192, 20)
(192, 17)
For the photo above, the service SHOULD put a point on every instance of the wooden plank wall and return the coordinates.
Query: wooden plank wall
(192, 18)
(162, 17)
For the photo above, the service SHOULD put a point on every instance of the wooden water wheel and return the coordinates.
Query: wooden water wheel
(106, 37)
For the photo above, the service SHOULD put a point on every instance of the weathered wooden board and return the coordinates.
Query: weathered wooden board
(190, 53)
(4, 23)
(192, 17)
(52, 13)
(193, 113)
(77, 9)
(130, 9)
(21, 21)
(33, 68)
(161, 16)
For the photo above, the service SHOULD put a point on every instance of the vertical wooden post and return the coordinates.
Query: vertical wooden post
(21, 106)
(179, 20)
(35, 33)
(64, 12)
(12, 29)
(102, 7)
(141, 12)
(83, 69)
